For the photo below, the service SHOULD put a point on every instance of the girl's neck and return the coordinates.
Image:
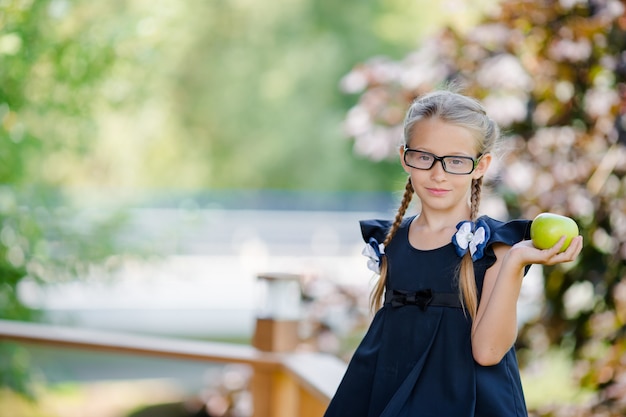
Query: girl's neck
(429, 232)
(437, 221)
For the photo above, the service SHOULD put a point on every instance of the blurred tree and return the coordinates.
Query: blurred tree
(50, 69)
(64, 65)
(165, 94)
(256, 97)
(553, 74)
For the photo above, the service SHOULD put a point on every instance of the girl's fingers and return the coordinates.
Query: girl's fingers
(569, 254)
(576, 247)
(556, 249)
(552, 256)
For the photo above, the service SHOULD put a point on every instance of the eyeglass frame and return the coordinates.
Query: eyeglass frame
(475, 161)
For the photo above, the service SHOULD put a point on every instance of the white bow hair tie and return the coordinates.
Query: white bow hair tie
(471, 236)
(374, 252)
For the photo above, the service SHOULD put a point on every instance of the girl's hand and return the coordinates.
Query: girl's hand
(526, 253)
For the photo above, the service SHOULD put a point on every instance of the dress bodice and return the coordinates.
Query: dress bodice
(416, 359)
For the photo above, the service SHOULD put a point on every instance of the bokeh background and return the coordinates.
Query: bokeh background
(156, 155)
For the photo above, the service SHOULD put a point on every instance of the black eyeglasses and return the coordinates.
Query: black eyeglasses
(458, 165)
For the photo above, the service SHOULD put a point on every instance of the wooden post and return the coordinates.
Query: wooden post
(272, 335)
(274, 393)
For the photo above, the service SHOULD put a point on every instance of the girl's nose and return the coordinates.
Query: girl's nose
(437, 171)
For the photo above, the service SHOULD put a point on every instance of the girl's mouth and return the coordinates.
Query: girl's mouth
(437, 191)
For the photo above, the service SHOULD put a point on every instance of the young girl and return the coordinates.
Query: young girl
(441, 342)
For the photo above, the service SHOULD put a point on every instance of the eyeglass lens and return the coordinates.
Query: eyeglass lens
(451, 164)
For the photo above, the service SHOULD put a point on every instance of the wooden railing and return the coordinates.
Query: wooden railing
(283, 384)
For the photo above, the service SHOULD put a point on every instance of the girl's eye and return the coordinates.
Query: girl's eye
(457, 161)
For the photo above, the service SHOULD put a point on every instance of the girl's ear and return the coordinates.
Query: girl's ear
(406, 168)
(482, 167)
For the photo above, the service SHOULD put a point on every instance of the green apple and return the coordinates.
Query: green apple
(547, 228)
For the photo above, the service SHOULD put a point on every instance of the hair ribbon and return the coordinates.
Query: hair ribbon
(374, 251)
(472, 237)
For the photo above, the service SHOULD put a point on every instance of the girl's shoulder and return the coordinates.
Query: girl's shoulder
(504, 232)
(507, 232)
(378, 228)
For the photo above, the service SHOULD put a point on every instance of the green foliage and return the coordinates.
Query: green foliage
(16, 371)
(58, 61)
(46, 243)
(51, 68)
(172, 94)
(254, 95)
(57, 58)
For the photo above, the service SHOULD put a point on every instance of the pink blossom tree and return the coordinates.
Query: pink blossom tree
(553, 75)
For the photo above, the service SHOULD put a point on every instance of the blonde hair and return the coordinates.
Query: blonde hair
(463, 111)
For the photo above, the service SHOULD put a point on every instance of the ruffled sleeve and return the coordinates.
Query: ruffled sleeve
(508, 233)
(374, 228)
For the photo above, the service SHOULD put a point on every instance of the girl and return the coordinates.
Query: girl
(441, 342)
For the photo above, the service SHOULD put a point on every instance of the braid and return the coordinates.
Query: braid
(475, 198)
(404, 205)
(378, 292)
(468, 293)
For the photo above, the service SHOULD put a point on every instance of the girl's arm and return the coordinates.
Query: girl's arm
(495, 327)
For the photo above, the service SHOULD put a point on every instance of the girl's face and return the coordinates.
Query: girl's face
(437, 189)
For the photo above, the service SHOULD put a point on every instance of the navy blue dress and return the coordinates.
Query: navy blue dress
(416, 357)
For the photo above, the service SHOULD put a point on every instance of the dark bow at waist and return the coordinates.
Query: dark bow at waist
(422, 299)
